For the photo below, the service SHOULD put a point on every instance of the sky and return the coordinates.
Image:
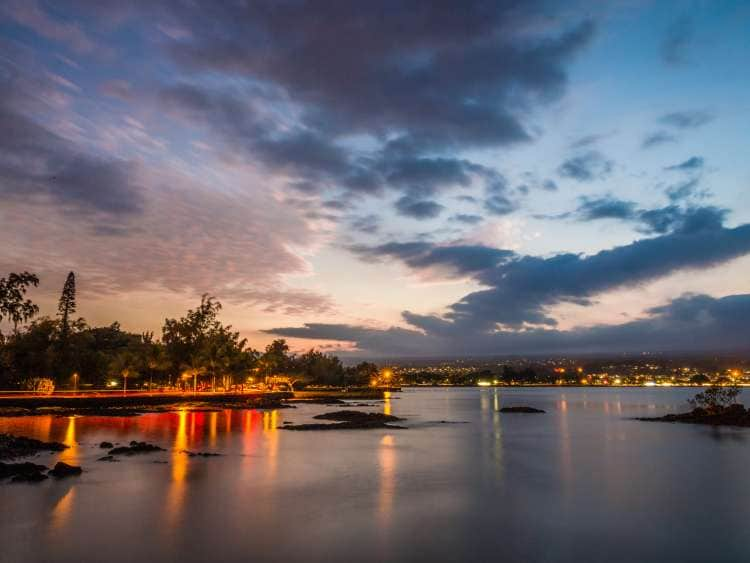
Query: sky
(392, 178)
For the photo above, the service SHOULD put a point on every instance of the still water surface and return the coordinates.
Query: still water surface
(583, 482)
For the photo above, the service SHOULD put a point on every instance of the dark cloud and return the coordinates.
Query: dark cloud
(657, 138)
(586, 167)
(459, 259)
(418, 208)
(677, 41)
(423, 82)
(605, 208)
(674, 218)
(521, 288)
(695, 323)
(690, 165)
(404, 68)
(685, 190)
(686, 119)
(467, 218)
(671, 218)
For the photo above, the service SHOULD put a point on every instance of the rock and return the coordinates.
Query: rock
(108, 458)
(349, 420)
(525, 410)
(62, 469)
(200, 454)
(733, 415)
(19, 446)
(106, 445)
(357, 416)
(136, 448)
(18, 469)
(34, 477)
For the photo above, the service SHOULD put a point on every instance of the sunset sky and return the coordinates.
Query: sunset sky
(391, 178)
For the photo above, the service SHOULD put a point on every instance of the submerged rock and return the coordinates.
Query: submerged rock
(108, 458)
(62, 469)
(22, 471)
(106, 445)
(20, 446)
(136, 448)
(525, 410)
(34, 477)
(200, 454)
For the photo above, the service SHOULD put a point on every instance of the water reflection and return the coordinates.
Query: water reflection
(179, 460)
(586, 480)
(270, 431)
(61, 514)
(70, 455)
(387, 464)
(387, 403)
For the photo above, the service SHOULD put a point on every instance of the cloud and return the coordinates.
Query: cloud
(521, 288)
(467, 219)
(368, 224)
(685, 190)
(588, 140)
(671, 218)
(694, 323)
(418, 208)
(657, 138)
(605, 208)
(189, 238)
(116, 88)
(457, 259)
(420, 85)
(677, 41)
(691, 119)
(586, 167)
(30, 15)
(690, 165)
(408, 69)
(37, 162)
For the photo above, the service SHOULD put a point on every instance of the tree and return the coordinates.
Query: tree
(362, 374)
(199, 344)
(276, 358)
(13, 306)
(716, 398)
(67, 305)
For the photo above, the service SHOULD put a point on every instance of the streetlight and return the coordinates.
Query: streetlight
(75, 383)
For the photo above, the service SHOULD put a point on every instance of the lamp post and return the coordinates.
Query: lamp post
(75, 383)
(125, 383)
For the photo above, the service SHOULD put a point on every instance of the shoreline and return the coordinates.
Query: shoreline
(141, 403)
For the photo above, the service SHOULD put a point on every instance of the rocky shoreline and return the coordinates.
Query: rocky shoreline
(138, 404)
(733, 415)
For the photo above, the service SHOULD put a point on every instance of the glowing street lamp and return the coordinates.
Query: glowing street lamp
(75, 383)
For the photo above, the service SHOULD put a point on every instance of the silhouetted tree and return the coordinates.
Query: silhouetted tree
(276, 358)
(13, 305)
(67, 305)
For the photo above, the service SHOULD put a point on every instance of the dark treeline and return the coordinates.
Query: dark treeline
(194, 349)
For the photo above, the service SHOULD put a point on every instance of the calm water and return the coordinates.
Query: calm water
(580, 483)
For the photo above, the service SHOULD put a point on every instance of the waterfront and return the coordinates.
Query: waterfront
(582, 482)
